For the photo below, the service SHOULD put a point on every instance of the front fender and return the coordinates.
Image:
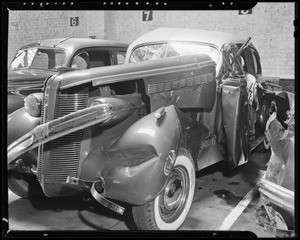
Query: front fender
(14, 102)
(133, 171)
(19, 123)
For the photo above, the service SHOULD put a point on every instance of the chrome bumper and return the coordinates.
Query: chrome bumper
(278, 195)
(59, 127)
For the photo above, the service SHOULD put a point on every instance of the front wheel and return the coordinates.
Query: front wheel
(170, 208)
(24, 183)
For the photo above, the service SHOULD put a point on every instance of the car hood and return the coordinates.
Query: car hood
(27, 79)
(106, 75)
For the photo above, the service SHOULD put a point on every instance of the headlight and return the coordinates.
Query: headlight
(32, 104)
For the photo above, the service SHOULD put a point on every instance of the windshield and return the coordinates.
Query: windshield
(40, 58)
(164, 50)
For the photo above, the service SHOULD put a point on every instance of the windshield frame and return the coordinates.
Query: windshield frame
(36, 48)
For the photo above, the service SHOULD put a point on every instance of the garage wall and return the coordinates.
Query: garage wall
(270, 25)
(26, 26)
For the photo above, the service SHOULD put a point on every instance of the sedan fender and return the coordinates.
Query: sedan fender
(19, 123)
(135, 168)
(14, 102)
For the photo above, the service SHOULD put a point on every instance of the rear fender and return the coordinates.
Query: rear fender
(262, 116)
(132, 168)
(285, 101)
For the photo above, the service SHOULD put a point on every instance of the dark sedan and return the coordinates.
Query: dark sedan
(33, 63)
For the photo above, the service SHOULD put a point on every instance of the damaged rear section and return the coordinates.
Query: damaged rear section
(276, 209)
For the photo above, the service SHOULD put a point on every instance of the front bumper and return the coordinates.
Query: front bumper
(59, 127)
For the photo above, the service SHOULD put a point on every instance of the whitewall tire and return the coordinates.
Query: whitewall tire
(170, 208)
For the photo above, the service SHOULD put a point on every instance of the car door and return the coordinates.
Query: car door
(234, 106)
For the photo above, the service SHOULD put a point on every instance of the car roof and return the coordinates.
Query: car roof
(73, 44)
(184, 34)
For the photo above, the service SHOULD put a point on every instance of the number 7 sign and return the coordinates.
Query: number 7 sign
(147, 15)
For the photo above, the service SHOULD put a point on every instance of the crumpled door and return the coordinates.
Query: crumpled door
(235, 107)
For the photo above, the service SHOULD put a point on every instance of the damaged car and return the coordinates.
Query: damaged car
(35, 62)
(276, 207)
(136, 133)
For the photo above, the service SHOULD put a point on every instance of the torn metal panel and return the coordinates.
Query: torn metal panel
(277, 187)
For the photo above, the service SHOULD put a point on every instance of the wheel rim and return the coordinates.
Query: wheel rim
(173, 199)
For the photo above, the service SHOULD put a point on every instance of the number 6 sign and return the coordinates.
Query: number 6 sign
(74, 21)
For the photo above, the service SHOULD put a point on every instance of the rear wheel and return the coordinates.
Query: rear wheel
(21, 180)
(169, 209)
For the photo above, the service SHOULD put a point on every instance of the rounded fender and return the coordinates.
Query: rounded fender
(14, 102)
(134, 172)
(19, 123)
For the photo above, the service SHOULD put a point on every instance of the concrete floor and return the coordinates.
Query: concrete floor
(218, 192)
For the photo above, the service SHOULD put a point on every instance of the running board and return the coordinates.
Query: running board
(103, 201)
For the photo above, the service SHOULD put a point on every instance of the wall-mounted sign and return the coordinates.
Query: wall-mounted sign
(245, 12)
(147, 15)
(74, 21)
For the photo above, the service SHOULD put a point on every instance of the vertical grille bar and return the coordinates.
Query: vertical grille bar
(41, 147)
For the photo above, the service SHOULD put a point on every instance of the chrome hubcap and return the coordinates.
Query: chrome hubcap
(174, 196)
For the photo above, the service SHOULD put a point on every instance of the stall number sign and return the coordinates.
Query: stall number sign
(74, 21)
(245, 12)
(147, 15)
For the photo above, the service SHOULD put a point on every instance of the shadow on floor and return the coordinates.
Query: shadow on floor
(87, 210)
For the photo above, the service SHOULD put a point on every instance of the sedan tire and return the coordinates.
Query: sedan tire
(25, 184)
(170, 208)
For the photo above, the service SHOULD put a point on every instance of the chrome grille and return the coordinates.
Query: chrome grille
(67, 103)
(40, 155)
(40, 148)
(64, 152)
(64, 157)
